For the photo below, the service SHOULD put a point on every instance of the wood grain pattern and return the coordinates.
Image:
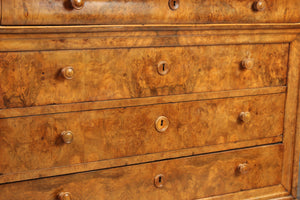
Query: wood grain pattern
(194, 177)
(30, 143)
(34, 78)
(284, 198)
(126, 39)
(59, 12)
(266, 193)
(96, 105)
(51, 127)
(295, 182)
(290, 121)
(112, 163)
(159, 28)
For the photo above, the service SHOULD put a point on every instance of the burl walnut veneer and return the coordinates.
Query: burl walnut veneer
(149, 99)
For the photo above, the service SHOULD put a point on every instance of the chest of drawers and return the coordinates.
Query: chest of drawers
(149, 99)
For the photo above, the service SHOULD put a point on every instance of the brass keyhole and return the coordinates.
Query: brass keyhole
(174, 4)
(159, 180)
(162, 124)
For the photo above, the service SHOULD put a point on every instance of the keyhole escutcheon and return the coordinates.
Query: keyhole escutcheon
(159, 181)
(163, 68)
(174, 4)
(162, 124)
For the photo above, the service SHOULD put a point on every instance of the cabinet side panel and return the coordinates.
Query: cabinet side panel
(290, 115)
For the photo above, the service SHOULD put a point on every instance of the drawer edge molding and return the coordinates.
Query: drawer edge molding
(98, 105)
(105, 164)
(112, 40)
(272, 192)
(152, 27)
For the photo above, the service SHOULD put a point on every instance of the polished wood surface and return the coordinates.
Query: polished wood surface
(111, 37)
(149, 99)
(295, 178)
(194, 177)
(267, 193)
(106, 134)
(290, 122)
(132, 160)
(59, 12)
(96, 105)
(55, 77)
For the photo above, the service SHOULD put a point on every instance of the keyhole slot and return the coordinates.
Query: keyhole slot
(162, 124)
(159, 181)
(174, 4)
(163, 68)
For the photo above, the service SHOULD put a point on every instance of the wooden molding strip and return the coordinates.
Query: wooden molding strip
(101, 40)
(83, 167)
(85, 106)
(95, 28)
(273, 192)
(297, 144)
(290, 120)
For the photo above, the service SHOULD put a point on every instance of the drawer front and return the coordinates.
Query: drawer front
(36, 78)
(29, 143)
(59, 12)
(183, 179)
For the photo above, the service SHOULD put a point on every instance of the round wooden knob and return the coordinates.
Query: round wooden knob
(64, 196)
(243, 168)
(247, 63)
(245, 117)
(163, 68)
(162, 124)
(259, 5)
(67, 72)
(159, 181)
(67, 137)
(77, 4)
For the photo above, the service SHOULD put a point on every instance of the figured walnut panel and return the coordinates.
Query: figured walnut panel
(183, 179)
(35, 78)
(61, 12)
(30, 143)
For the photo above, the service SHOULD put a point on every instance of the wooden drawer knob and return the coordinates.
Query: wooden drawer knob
(64, 196)
(67, 137)
(77, 4)
(162, 124)
(247, 63)
(159, 181)
(243, 168)
(67, 72)
(259, 5)
(163, 68)
(245, 117)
